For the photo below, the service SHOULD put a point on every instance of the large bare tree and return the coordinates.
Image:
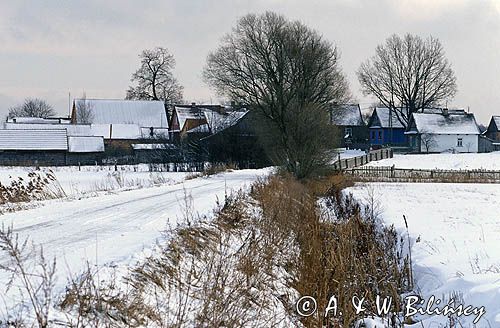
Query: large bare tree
(289, 74)
(32, 107)
(408, 74)
(154, 79)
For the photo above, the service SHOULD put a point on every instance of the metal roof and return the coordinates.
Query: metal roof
(145, 113)
(85, 144)
(72, 129)
(33, 140)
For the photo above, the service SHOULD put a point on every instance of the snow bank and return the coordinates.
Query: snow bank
(455, 229)
(77, 182)
(486, 161)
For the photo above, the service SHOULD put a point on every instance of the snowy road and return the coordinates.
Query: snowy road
(114, 227)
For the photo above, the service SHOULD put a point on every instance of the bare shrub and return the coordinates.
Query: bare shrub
(38, 186)
(27, 263)
(89, 302)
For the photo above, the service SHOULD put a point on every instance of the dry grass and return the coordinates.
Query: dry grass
(348, 256)
(38, 186)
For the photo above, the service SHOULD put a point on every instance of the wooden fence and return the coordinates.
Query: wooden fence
(374, 155)
(392, 174)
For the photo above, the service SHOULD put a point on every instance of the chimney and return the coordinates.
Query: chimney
(193, 104)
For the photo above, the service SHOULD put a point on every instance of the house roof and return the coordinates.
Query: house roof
(383, 114)
(496, 119)
(40, 120)
(85, 144)
(145, 113)
(213, 118)
(72, 129)
(116, 131)
(188, 113)
(451, 123)
(221, 121)
(348, 114)
(33, 140)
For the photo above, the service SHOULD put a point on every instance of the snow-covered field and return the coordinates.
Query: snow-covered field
(487, 161)
(455, 229)
(114, 227)
(88, 179)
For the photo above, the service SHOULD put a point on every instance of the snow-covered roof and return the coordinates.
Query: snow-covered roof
(220, 121)
(202, 128)
(451, 123)
(496, 119)
(210, 118)
(348, 114)
(116, 131)
(383, 114)
(188, 113)
(33, 140)
(72, 129)
(39, 120)
(125, 131)
(145, 113)
(85, 144)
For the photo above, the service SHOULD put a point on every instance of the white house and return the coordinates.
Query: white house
(438, 130)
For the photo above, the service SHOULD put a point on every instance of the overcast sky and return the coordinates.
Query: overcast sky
(50, 48)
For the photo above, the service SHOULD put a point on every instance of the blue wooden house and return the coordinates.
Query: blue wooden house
(386, 129)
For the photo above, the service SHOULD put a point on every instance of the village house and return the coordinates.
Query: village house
(234, 140)
(493, 130)
(122, 122)
(438, 130)
(385, 128)
(199, 121)
(353, 131)
(48, 147)
(490, 139)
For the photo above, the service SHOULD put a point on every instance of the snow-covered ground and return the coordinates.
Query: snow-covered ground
(487, 161)
(113, 227)
(348, 153)
(455, 229)
(87, 179)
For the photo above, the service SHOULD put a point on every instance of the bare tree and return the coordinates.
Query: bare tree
(32, 107)
(287, 73)
(408, 74)
(154, 79)
(428, 141)
(84, 111)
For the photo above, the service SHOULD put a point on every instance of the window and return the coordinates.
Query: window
(459, 142)
(380, 135)
(348, 132)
